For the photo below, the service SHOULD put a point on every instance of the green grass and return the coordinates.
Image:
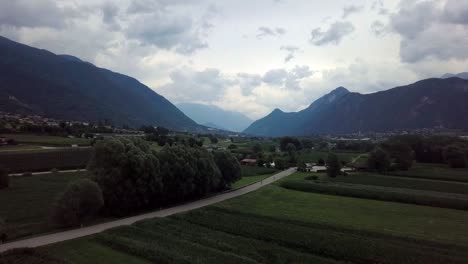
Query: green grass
(434, 171)
(48, 140)
(26, 204)
(406, 220)
(401, 182)
(314, 156)
(21, 147)
(247, 171)
(244, 181)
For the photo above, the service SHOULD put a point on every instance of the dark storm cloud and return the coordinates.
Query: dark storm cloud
(333, 35)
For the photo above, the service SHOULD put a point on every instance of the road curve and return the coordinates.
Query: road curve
(90, 230)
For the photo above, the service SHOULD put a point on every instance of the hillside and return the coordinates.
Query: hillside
(425, 104)
(64, 87)
(215, 117)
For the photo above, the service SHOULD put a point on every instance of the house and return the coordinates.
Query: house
(249, 162)
(317, 169)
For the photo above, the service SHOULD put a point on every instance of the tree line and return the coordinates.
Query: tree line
(127, 176)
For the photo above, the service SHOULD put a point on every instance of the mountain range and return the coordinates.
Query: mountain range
(215, 117)
(428, 103)
(35, 81)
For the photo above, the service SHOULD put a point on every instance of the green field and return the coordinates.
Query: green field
(435, 171)
(47, 140)
(247, 171)
(314, 156)
(402, 182)
(244, 181)
(26, 204)
(276, 225)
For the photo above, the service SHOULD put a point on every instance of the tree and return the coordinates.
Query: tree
(213, 139)
(284, 141)
(4, 178)
(321, 162)
(333, 165)
(229, 167)
(379, 160)
(80, 202)
(232, 146)
(272, 148)
(257, 148)
(455, 156)
(307, 143)
(400, 153)
(280, 164)
(128, 172)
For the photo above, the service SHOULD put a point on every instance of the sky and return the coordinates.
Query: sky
(251, 56)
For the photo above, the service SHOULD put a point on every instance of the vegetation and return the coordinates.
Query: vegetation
(128, 173)
(45, 160)
(80, 202)
(456, 156)
(434, 171)
(247, 171)
(430, 198)
(25, 206)
(4, 178)
(379, 160)
(244, 181)
(229, 167)
(333, 165)
(45, 140)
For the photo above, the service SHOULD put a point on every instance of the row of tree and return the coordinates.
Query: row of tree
(128, 177)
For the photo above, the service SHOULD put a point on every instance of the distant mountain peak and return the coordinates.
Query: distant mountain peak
(277, 111)
(340, 89)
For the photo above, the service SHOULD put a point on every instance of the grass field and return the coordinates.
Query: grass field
(247, 171)
(402, 182)
(47, 140)
(435, 171)
(314, 156)
(276, 225)
(26, 204)
(244, 181)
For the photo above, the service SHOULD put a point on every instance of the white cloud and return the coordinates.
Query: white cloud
(333, 35)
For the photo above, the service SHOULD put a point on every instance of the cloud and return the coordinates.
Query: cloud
(291, 52)
(248, 82)
(32, 13)
(166, 31)
(431, 30)
(378, 28)
(189, 85)
(334, 34)
(269, 32)
(289, 80)
(351, 9)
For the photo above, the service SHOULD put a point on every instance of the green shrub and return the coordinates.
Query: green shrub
(80, 202)
(229, 167)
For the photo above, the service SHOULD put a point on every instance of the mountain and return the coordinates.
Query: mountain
(215, 117)
(64, 87)
(463, 75)
(425, 104)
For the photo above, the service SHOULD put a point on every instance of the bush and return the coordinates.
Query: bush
(229, 167)
(127, 170)
(455, 156)
(4, 178)
(333, 165)
(378, 160)
(80, 202)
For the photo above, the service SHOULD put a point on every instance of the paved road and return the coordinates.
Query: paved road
(44, 172)
(76, 233)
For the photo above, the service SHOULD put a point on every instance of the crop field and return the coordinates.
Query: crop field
(247, 171)
(434, 171)
(314, 156)
(48, 140)
(44, 160)
(402, 182)
(277, 225)
(26, 204)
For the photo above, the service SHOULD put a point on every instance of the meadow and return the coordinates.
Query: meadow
(434, 171)
(278, 225)
(45, 160)
(48, 140)
(26, 203)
